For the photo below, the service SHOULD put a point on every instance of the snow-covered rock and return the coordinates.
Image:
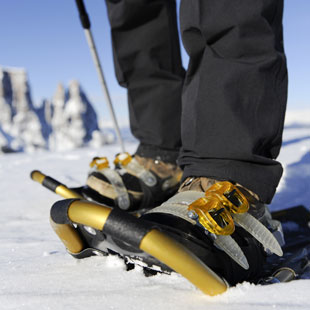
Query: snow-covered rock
(72, 119)
(67, 121)
(20, 124)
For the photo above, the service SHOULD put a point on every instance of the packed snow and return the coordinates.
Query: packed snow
(37, 273)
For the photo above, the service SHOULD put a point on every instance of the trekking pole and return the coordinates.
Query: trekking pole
(91, 43)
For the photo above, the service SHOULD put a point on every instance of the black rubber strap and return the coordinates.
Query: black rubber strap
(59, 211)
(126, 227)
(50, 183)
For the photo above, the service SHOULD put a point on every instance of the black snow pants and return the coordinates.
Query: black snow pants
(223, 118)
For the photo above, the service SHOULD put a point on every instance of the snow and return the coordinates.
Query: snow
(37, 273)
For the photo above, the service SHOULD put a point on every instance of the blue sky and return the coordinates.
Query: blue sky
(46, 38)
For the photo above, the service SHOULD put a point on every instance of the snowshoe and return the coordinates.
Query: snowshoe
(177, 241)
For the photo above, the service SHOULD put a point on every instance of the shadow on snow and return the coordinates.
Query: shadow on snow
(296, 187)
(288, 142)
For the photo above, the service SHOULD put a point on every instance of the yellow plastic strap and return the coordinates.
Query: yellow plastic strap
(230, 196)
(123, 159)
(100, 163)
(214, 210)
(131, 165)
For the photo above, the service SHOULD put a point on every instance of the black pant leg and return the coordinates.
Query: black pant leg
(235, 91)
(148, 63)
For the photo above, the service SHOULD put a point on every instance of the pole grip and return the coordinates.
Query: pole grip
(83, 14)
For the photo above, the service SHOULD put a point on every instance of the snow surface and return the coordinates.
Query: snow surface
(37, 273)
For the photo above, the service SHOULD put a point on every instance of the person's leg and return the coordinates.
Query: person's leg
(148, 63)
(235, 91)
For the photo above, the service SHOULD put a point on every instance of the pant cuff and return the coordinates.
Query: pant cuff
(262, 180)
(150, 151)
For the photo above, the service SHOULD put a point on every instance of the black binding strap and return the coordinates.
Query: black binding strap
(59, 211)
(126, 227)
(50, 183)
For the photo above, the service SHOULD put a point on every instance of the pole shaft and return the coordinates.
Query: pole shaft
(91, 43)
(96, 60)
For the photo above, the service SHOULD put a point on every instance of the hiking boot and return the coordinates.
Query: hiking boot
(136, 183)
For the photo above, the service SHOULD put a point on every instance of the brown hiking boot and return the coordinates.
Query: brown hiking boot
(135, 183)
(202, 184)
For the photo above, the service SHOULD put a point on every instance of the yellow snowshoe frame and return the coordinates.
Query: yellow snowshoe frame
(153, 242)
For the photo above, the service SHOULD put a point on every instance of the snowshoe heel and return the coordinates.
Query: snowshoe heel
(87, 227)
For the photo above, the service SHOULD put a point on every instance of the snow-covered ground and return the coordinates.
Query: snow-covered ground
(37, 273)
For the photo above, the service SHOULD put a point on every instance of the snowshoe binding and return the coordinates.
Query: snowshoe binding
(136, 183)
(224, 224)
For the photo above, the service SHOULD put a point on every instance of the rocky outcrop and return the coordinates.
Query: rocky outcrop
(72, 119)
(66, 121)
(19, 122)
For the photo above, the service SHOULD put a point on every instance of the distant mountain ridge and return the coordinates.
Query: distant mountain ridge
(67, 121)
